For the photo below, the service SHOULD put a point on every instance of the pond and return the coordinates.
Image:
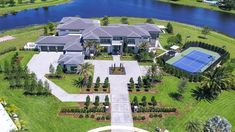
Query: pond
(219, 21)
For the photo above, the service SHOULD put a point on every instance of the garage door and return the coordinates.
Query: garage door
(60, 48)
(43, 48)
(52, 48)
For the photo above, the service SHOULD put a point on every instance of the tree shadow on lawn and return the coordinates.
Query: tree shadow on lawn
(176, 96)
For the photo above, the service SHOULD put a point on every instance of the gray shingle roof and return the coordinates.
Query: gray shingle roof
(111, 31)
(149, 27)
(57, 39)
(71, 59)
(75, 46)
(75, 23)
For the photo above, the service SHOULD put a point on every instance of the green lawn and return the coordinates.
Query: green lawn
(194, 3)
(41, 113)
(67, 83)
(27, 5)
(23, 35)
(188, 108)
(103, 56)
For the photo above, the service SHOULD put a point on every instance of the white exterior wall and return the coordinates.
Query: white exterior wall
(66, 32)
(62, 33)
(77, 53)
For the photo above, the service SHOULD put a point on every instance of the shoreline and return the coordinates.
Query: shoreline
(197, 5)
(18, 8)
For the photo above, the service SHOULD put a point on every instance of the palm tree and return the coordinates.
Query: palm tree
(11, 109)
(85, 71)
(88, 45)
(144, 46)
(193, 126)
(98, 48)
(217, 80)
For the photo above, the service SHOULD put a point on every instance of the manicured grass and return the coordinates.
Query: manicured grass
(188, 108)
(41, 113)
(194, 3)
(67, 83)
(128, 57)
(28, 5)
(159, 51)
(23, 35)
(213, 38)
(103, 56)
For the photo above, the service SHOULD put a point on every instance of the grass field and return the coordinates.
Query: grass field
(41, 112)
(194, 3)
(188, 108)
(25, 6)
(24, 35)
(67, 83)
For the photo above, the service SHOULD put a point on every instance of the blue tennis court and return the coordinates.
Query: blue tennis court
(194, 61)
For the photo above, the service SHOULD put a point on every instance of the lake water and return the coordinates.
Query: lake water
(219, 21)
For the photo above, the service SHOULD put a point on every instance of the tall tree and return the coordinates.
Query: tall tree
(97, 101)
(124, 20)
(51, 27)
(217, 79)
(144, 46)
(59, 71)
(205, 31)
(89, 44)
(135, 101)
(45, 30)
(169, 27)
(52, 69)
(153, 101)
(106, 100)
(88, 101)
(85, 71)
(105, 21)
(149, 20)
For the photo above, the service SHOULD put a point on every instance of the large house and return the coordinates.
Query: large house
(74, 32)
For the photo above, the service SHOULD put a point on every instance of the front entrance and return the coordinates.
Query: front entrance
(116, 50)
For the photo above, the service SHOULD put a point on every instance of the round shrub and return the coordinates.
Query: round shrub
(81, 116)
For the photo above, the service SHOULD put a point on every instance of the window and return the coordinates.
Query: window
(73, 68)
(117, 38)
(105, 41)
(131, 41)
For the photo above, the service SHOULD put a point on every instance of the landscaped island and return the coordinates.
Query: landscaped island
(14, 6)
(42, 112)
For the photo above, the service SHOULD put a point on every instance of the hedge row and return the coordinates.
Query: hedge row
(139, 118)
(155, 109)
(102, 118)
(82, 110)
(193, 77)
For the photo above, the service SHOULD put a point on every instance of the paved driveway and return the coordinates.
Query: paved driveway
(121, 114)
(101, 69)
(40, 63)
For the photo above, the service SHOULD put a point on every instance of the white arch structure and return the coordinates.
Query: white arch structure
(105, 128)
